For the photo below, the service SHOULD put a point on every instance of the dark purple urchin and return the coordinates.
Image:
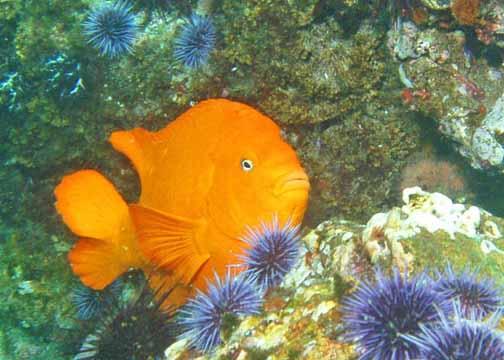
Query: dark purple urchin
(272, 254)
(139, 330)
(196, 41)
(477, 297)
(202, 317)
(378, 316)
(460, 339)
(112, 28)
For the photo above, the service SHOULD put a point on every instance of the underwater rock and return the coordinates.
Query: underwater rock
(434, 174)
(304, 72)
(430, 230)
(486, 148)
(490, 29)
(494, 121)
(336, 75)
(300, 317)
(466, 12)
(462, 96)
(10, 87)
(351, 180)
(403, 43)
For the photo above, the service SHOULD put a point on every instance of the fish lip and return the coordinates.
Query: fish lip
(292, 181)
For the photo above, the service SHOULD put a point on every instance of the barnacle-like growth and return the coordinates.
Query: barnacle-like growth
(477, 297)
(379, 316)
(112, 28)
(196, 41)
(273, 252)
(202, 317)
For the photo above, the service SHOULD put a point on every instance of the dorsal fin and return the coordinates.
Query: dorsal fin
(137, 145)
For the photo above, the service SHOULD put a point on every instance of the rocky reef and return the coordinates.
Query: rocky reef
(302, 317)
(464, 98)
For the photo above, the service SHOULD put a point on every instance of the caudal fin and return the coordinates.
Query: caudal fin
(92, 208)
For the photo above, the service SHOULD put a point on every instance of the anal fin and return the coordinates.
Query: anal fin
(96, 262)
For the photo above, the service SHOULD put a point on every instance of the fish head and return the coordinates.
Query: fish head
(259, 178)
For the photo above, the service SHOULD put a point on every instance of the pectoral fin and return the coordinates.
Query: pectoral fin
(169, 241)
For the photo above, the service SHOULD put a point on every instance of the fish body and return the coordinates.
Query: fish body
(217, 169)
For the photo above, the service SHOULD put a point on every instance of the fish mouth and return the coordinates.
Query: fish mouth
(293, 181)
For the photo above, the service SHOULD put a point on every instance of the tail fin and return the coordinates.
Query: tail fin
(93, 209)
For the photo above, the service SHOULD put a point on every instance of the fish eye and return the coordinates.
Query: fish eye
(247, 165)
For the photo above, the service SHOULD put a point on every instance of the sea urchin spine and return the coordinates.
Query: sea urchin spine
(92, 303)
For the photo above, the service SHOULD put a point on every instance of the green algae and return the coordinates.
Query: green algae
(43, 137)
(313, 73)
(436, 251)
(355, 180)
(35, 285)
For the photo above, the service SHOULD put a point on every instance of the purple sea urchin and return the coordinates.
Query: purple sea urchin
(196, 41)
(477, 297)
(112, 28)
(378, 316)
(459, 339)
(202, 317)
(273, 252)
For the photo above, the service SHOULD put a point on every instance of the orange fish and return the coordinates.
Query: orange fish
(219, 167)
